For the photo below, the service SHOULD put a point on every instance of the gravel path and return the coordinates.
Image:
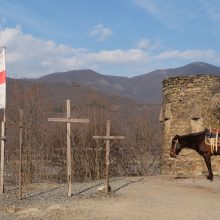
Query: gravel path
(155, 197)
(42, 195)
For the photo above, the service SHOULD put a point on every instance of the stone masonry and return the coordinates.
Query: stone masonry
(190, 104)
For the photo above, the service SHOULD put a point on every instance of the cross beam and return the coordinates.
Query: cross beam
(68, 122)
(107, 138)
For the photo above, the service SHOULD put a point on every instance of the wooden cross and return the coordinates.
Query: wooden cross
(108, 137)
(68, 121)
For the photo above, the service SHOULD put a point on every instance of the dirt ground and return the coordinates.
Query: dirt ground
(152, 197)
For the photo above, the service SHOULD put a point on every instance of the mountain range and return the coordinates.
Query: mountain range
(146, 88)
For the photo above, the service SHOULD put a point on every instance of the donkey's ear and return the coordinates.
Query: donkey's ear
(176, 136)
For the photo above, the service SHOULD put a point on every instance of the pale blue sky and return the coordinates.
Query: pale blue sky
(117, 37)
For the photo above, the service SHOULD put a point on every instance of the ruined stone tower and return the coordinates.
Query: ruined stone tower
(190, 104)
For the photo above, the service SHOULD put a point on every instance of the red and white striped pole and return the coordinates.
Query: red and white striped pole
(2, 79)
(2, 106)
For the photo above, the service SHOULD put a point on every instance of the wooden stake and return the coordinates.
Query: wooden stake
(107, 155)
(107, 150)
(21, 151)
(68, 151)
(68, 122)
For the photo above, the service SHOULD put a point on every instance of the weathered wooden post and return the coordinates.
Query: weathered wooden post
(108, 137)
(68, 120)
(21, 151)
(2, 158)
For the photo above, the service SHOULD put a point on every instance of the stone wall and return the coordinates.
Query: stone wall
(190, 104)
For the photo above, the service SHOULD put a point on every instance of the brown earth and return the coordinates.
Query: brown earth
(155, 197)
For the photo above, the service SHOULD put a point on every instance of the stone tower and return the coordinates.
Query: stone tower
(190, 104)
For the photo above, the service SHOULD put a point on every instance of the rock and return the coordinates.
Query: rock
(103, 189)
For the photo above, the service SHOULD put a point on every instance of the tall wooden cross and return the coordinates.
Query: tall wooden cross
(108, 137)
(68, 121)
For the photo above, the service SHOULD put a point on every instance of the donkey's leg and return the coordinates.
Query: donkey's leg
(207, 159)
